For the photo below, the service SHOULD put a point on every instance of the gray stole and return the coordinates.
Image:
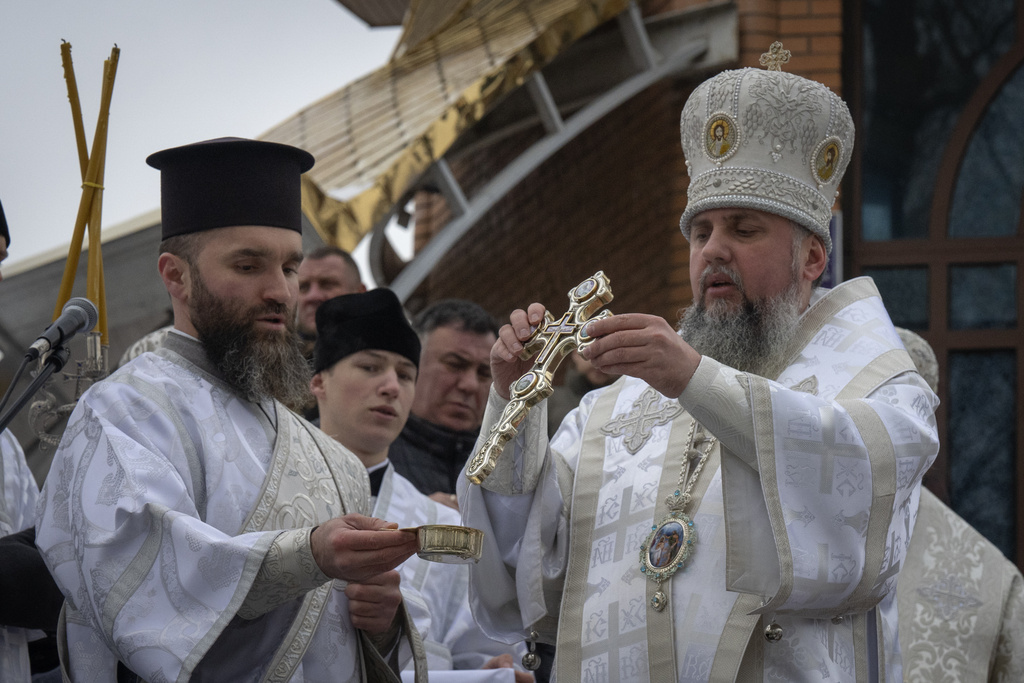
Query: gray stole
(660, 636)
(303, 486)
(309, 479)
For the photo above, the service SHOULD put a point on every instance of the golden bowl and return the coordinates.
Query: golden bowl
(448, 543)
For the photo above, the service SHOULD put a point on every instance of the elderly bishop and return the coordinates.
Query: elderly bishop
(756, 529)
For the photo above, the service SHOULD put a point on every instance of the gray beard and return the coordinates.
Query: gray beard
(258, 364)
(753, 339)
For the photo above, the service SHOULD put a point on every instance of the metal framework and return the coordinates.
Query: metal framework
(678, 54)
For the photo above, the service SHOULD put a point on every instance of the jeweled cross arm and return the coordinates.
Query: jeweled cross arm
(551, 341)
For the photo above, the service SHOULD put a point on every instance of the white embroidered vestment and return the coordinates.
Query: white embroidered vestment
(802, 514)
(166, 496)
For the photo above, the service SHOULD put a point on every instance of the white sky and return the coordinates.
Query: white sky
(189, 70)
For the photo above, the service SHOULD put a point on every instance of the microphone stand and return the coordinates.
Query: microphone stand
(54, 362)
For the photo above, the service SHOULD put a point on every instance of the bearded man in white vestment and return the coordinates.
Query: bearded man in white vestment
(365, 363)
(199, 529)
(780, 437)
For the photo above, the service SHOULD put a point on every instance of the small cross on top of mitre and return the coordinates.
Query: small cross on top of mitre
(775, 57)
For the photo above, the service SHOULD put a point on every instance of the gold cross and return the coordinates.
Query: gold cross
(551, 341)
(775, 57)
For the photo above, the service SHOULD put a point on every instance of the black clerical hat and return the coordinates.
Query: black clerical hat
(357, 322)
(230, 181)
(4, 232)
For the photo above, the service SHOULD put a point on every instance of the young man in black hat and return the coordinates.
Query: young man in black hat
(197, 526)
(365, 363)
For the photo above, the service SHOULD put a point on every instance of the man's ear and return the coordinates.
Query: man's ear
(316, 385)
(815, 260)
(177, 276)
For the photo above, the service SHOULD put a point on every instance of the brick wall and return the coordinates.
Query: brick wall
(612, 198)
(811, 29)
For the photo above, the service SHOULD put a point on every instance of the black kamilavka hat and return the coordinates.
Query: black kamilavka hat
(358, 322)
(228, 182)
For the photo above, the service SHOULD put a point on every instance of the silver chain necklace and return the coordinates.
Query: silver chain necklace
(671, 542)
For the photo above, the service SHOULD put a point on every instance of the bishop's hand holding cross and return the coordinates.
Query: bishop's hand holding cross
(550, 341)
(553, 339)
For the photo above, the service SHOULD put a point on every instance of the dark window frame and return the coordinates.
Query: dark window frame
(938, 252)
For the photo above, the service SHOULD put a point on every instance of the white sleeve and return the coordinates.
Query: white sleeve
(122, 536)
(827, 489)
(19, 492)
(522, 508)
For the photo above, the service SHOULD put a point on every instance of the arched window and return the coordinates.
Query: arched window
(935, 207)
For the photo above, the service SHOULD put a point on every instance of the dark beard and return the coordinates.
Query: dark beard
(258, 364)
(753, 339)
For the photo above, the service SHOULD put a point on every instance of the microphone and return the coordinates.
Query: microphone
(79, 314)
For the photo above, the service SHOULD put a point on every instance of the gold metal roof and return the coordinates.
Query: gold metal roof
(426, 19)
(378, 12)
(454, 62)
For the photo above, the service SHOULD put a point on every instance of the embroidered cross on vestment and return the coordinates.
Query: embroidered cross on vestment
(638, 424)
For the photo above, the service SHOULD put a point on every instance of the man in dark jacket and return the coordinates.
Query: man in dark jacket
(451, 394)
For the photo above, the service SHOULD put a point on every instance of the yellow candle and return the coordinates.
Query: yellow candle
(91, 203)
(75, 250)
(76, 106)
(94, 274)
